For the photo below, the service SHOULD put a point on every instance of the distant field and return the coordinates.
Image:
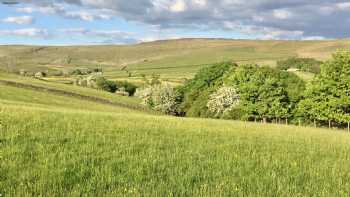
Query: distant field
(174, 60)
(53, 145)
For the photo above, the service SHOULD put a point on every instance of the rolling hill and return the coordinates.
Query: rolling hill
(174, 60)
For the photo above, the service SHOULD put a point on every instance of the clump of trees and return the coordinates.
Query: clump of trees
(97, 81)
(196, 92)
(85, 71)
(251, 92)
(303, 64)
(327, 98)
(247, 92)
(265, 93)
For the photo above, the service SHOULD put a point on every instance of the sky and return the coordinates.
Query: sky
(88, 22)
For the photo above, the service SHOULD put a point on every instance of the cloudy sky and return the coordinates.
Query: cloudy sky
(70, 22)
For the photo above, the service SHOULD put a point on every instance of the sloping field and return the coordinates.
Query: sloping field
(172, 59)
(69, 90)
(60, 145)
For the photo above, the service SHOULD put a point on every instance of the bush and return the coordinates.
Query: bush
(127, 86)
(106, 85)
(76, 72)
(303, 64)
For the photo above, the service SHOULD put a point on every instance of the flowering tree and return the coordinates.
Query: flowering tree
(161, 97)
(223, 100)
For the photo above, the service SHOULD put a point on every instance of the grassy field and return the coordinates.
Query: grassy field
(174, 60)
(59, 145)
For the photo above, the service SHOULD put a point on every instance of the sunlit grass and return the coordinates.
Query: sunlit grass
(60, 146)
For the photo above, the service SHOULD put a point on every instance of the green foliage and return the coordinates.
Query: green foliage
(262, 92)
(303, 64)
(259, 92)
(85, 71)
(106, 85)
(127, 87)
(195, 93)
(328, 96)
(76, 72)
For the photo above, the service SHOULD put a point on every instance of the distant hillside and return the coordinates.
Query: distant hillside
(172, 59)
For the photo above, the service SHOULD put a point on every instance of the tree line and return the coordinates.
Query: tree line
(256, 93)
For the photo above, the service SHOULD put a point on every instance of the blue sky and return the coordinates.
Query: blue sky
(75, 22)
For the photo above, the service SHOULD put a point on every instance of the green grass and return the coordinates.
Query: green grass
(114, 98)
(173, 59)
(52, 145)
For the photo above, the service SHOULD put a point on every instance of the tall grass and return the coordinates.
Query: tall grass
(57, 152)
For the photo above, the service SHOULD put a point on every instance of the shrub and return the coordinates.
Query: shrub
(127, 86)
(97, 70)
(106, 85)
(76, 72)
(304, 64)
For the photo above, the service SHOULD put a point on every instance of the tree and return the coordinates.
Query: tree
(196, 92)
(263, 92)
(328, 96)
(161, 97)
(304, 64)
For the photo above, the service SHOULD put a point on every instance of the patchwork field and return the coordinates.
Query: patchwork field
(54, 144)
(174, 60)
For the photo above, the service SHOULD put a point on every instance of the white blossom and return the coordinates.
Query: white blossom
(161, 97)
(223, 100)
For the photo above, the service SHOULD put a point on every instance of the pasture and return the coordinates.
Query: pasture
(59, 145)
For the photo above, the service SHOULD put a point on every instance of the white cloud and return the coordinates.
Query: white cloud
(56, 8)
(178, 6)
(273, 34)
(314, 38)
(201, 3)
(343, 6)
(20, 20)
(29, 32)
(27, 10)
(282, 14)
(87, 16)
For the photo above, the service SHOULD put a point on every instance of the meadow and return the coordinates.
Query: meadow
(174, 60)
(59, 145)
